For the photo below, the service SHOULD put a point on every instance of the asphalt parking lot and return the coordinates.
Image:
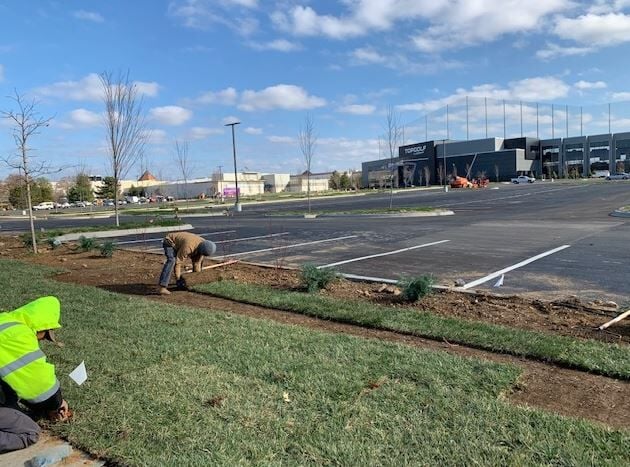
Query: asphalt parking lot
(546, 239)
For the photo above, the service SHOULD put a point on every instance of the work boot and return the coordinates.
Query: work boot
(164, 291)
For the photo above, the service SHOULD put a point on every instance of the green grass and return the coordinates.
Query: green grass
(356, 211)
(97, 228)
(590, 355)
(178, 386)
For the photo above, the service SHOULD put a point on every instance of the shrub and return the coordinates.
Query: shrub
(107, 248)
(314, 279)
(27, 240)
(53, 243)
(86, 244)
(414, 288)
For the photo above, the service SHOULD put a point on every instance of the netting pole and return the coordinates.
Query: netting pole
(581, 123)
(447, 129)
(537, 131)
(521, 104)
(567, 118)
(467, 135)
(504, 131)
(485, 105)
(553, 123)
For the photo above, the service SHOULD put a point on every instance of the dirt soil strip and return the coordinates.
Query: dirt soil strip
(560, 390)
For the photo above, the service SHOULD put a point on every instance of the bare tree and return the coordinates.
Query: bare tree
(183, 163)
(307, 140)
(427, 175)
(26, 123)
(441, 173)
(496, 172)
(125, 126)
(393, 133)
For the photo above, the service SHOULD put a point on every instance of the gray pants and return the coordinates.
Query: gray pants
(17, 430)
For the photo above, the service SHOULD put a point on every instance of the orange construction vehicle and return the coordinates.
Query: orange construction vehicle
(460, 182)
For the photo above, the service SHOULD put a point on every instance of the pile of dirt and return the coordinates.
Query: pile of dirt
(136, 273)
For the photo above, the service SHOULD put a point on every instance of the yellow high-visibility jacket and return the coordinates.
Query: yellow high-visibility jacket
(23, 365)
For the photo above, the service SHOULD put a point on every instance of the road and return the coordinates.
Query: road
(551, 239)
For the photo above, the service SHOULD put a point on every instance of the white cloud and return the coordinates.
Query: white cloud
(584, 85)
(620, 96)
(554, 50)
(529, 89)
(227, 96)
(202, 14)
(253, 131)
(451, 23)
(199, 132)
(281, 139)
(357, 109)
(88, 16)
(170, 115)
(88, 88)
(367, 55)
(85, 118)
(149, 89)
(600, 30)
(279, 45)
(155, 136)
(281, 96)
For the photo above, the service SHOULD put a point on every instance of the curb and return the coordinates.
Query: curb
(122, 233)
(443, 212)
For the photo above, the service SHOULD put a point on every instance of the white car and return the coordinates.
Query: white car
(523, 179)
(44, 206)
(618, 176)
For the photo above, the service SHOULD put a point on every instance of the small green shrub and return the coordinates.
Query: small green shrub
(86, 244)
(414, 288)
(107, 248)
(53, 243)
(314, 279)
(27, 240)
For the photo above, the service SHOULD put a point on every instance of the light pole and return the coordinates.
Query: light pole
(237, 205)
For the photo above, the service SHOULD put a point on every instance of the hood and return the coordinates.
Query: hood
(40, 314)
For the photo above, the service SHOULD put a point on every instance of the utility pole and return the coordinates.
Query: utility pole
(237, 205)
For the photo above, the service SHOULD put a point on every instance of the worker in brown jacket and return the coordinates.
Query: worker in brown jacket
(177, 247)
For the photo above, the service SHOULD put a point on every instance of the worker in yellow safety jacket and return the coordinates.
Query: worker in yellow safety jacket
(25, 375)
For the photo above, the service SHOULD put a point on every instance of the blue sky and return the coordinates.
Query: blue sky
(201, 63)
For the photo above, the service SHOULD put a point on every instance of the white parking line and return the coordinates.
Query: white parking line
(496, 274)
(232, 240)
(162, 238)
(380, 254)
(287, 246)
(253, 238)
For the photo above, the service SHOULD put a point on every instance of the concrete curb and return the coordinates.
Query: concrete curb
(122, 233)
(443, 212)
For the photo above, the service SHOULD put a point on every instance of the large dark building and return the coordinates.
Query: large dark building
(434, 162)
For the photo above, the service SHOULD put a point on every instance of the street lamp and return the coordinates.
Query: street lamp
(237, 205)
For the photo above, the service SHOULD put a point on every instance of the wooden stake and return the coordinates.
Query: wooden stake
(232, 261)
(613, 321)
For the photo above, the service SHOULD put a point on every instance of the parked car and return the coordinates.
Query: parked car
(80, 204)
(108, 202)
(44, 206)
(523, 179)
(618, 176)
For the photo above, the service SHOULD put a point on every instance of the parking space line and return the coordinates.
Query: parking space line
(253, 238)
(288, 246)
(162, 238)
(338, 263)
(232, 240)
(496, 274)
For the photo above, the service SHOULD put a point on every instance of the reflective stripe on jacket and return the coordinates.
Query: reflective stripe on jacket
(23, 365)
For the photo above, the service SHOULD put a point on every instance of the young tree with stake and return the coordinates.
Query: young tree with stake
(26, 123)
(393, 133)
(307, 140)
(125, 127)
(183, 163)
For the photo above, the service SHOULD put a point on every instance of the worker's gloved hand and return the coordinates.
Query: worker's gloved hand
(181, 284)
(62, 414)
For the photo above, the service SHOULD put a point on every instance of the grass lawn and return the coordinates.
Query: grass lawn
(608, 359)
(357, 211)
(176, 386)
